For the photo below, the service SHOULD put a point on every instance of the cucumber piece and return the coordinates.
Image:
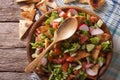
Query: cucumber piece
(90, 47)
(83, 47)
(99, 23)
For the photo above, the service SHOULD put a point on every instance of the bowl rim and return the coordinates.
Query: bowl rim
(35, 25)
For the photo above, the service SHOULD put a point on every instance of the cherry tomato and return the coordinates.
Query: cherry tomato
(70, 59)
(93, 19)
(65, 67)
(57, 51)
(76, 72)
(55, 25)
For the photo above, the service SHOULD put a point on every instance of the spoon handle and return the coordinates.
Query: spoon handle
(35, 62)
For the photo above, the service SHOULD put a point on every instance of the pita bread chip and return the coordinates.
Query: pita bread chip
(95, 4)
(69, 1)
(23, 27)
(28, 7)
(96, 52)
(51, 4)
(83, 1)
(82, 54)
(28, 15)
(19, 1)
(33, 1)
(42, 6)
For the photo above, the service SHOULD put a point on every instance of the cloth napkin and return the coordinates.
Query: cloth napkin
(110, 13)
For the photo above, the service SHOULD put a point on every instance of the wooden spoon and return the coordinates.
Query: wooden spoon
(65, 31)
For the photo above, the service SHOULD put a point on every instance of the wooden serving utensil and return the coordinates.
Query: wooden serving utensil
(65, 31)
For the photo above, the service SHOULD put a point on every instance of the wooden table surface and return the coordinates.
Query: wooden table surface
(13, 58)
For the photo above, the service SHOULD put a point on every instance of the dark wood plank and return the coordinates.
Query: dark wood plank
(9, 10)
(14, 76)
(9, 36)
(13, 60)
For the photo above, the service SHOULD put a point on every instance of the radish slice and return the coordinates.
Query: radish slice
(83, 27)
(91, 72)
(44, 61)
(57, 20)
(88, 65)
(96, 31)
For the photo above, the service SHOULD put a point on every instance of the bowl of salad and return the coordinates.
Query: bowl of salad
(86, 55)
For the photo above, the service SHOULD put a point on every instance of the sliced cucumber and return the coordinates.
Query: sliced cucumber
(90, 47)
(99, 23)
(83, 47)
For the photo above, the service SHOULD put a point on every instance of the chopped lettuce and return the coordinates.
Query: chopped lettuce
(101, 59)
(37, 44)
(106, 46)
(58, 74)
(95, 40)
(88, 22)
(84, 32)
(82, 14)
(53, 15)
(51, 30)
(72, 47)
(83, 75)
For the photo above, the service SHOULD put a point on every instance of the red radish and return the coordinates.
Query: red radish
(96, 31)
(43, 61)
(71, 12)
(88, 65)
(83, 27)
(91, 72)
(63, 14)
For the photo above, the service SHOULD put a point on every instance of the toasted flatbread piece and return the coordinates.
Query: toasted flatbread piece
(95, 68)
(28, 15)
(96, 52)
(51, 4)
(69, 1)
(28, 7)
(81, 55)
(42, 6)
(23, 27)
(83, 1)
(33, 1)
(95, 4)
(27, 1)
(19, 1)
